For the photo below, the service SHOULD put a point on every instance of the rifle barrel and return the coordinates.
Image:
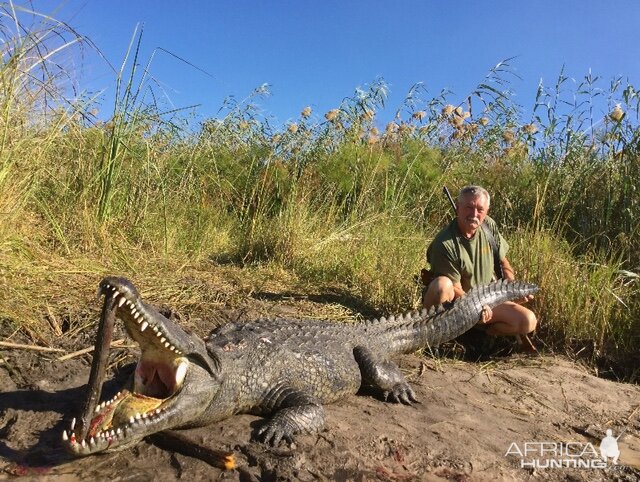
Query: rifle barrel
(446, 191)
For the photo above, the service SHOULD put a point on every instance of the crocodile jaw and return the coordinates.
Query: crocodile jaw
(168, 388)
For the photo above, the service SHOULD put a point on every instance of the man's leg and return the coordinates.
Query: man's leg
(511, 319)
(439, 291)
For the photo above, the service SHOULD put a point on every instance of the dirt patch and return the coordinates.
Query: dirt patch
(469, 415)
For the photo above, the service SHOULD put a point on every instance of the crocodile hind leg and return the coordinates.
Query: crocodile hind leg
(295, 412)
(384, 375)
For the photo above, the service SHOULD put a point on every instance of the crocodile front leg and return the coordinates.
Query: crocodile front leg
(384, 375)
(295, 412)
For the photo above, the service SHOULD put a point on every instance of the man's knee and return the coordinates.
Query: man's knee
(439, 291)
(529, 321)
(512, 319)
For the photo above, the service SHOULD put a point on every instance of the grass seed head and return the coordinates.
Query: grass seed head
(332, 115)
(404, 129)
(368, 115)
(617, 114)
(457, 121)
(447, 110)
(508, 136)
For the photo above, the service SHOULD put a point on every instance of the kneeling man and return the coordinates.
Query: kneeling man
(461, 257)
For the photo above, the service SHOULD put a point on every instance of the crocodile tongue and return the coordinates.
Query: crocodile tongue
(133, 404)
(127, 405)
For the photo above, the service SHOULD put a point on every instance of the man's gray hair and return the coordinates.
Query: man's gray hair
(474, 191)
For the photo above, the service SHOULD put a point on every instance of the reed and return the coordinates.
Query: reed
(337, 200)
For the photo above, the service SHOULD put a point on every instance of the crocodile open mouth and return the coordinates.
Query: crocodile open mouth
(158, 377)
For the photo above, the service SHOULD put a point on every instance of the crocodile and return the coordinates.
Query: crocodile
(284, 368)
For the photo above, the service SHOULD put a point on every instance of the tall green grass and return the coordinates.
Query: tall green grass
(337, 198)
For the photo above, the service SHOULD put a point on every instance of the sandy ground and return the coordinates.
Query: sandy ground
(469, 416)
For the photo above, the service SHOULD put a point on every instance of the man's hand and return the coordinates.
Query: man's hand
(485, 315)
(524, 300)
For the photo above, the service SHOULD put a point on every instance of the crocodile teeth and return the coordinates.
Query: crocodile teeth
(65, 437)
(121, 301)
(135, 314)
(181, 372)
(167, 344)
(132, 420)
(144, 326)
(73, 423)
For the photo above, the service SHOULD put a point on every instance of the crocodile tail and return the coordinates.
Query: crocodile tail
(433, 327)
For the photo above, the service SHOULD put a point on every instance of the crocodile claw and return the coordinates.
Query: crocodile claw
(401, 393)
(272, 433)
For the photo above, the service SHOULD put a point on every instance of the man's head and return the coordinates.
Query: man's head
(471, 208)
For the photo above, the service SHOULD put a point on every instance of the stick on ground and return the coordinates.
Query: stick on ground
(20, 346)
(114, 344)
(177, 442)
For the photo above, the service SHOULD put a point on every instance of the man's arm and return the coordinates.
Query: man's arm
(457, 290)
(508, 274)
(507, 270)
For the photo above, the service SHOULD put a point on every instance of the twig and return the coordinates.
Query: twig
(89, 349)
(20, 346)
(633, 413)
(99, 364)
(173, 440)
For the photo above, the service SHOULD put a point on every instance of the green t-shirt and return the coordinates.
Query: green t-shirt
(465, 261)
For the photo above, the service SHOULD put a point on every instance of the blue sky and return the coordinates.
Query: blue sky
(317, 53)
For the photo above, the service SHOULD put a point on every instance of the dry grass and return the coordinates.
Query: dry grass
(203, 216)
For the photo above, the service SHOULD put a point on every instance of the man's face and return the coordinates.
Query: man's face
(471, 211)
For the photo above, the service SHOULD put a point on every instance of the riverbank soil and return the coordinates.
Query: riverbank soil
(505, 418)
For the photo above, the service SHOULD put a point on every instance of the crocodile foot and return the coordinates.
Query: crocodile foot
(289, 421)
(401, 393)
